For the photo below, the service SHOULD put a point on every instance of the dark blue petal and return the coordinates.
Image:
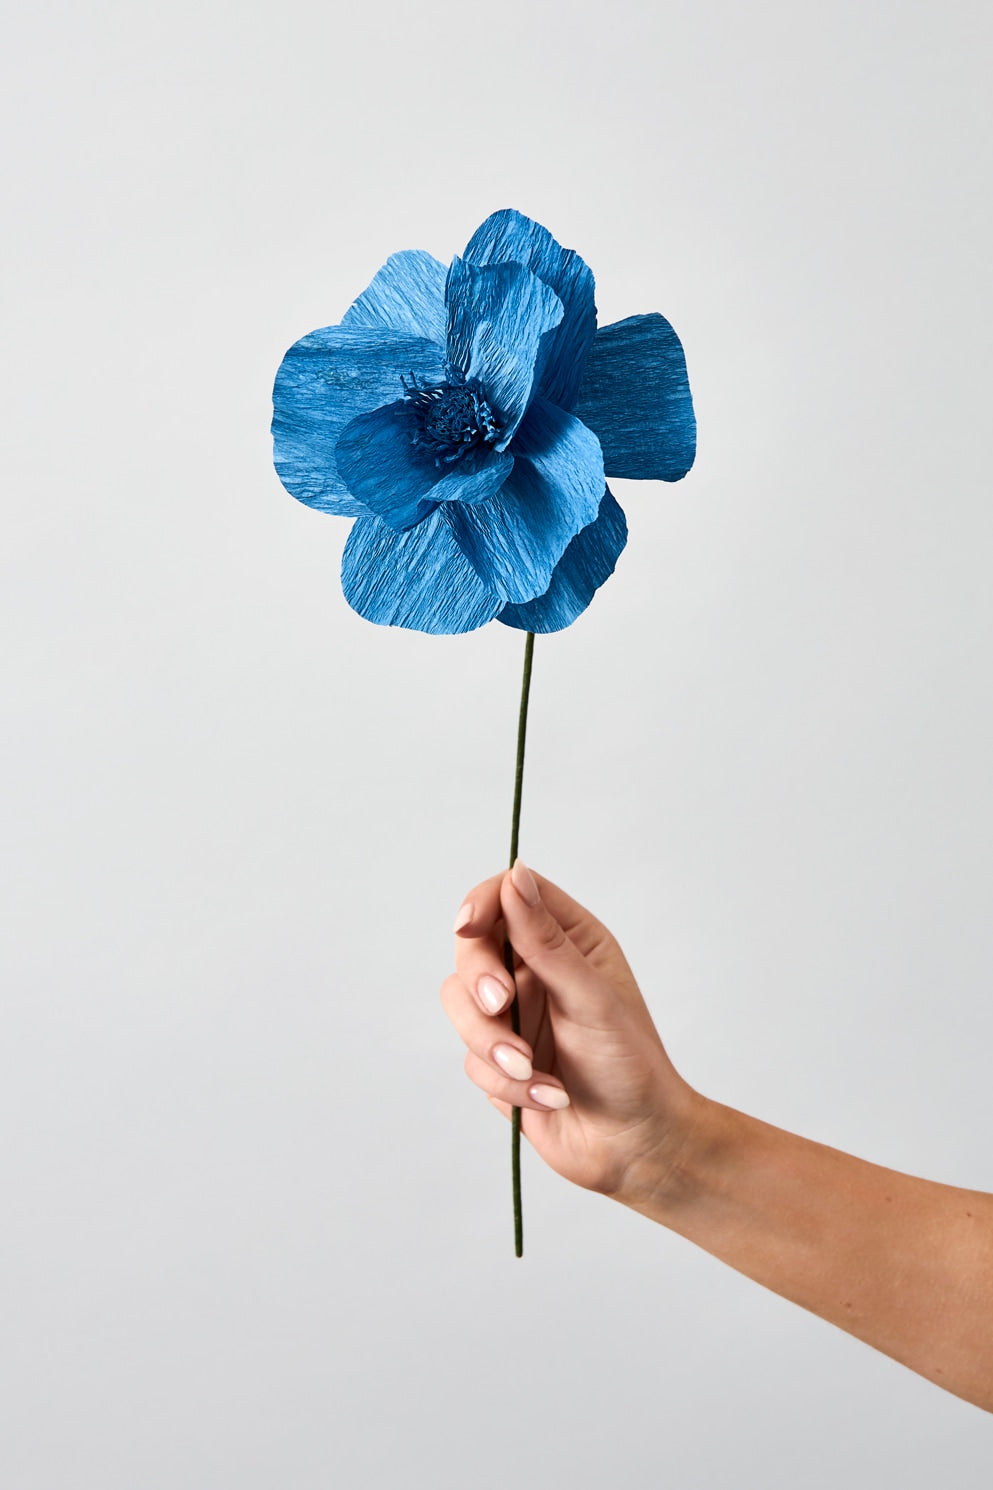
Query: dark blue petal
(515, 540)
(323, 382)
(419, 579)
(398, 480)
(509, 237)
(582, 569)
(496, 319)
(636, 397)
(408, 295)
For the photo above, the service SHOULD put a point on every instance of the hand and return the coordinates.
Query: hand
(600, 1100)
(867, 1248)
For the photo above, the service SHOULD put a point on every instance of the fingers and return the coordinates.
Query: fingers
(498, 1060)
(479, 943)
(492, 1039)
(566, 948)
(544, 1094)
(480, 910)
(574, 985)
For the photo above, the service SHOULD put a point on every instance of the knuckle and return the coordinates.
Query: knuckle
(449, 991)
(482, 1074)
(549, 935)
(477, 1071)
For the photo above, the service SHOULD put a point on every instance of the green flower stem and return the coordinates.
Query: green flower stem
(508, 951)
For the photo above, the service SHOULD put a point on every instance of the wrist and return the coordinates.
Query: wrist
(668, 1171)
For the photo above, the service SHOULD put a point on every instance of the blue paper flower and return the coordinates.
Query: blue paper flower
(467, 419)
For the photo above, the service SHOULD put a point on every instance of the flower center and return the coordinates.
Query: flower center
(451, 419)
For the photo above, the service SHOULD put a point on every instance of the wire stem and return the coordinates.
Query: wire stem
(508, 951)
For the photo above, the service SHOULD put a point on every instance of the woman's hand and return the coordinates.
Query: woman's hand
(601, 1102)
(903, 1263)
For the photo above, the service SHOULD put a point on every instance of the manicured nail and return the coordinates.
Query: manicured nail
(549, 1096)
(513, 1061)
(525, 883)
(465, 915)
(492, 994)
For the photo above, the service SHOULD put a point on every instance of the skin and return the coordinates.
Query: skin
(902, 1263)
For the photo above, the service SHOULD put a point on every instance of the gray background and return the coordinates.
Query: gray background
(256, 1224)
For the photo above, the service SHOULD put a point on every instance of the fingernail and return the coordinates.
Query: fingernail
(525, 883)
(465, 915)
(492, 994)
(513, 1061)
(549, 1096)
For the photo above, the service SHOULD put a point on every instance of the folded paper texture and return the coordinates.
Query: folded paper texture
(467, 419)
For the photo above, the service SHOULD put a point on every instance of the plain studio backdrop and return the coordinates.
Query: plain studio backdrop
(256, 1224)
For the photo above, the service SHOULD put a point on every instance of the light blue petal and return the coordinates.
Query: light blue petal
(515, 540)
(508, 237)
(496, 319)
(408, 295)
(323, 382)
(635, 396)
(582, 569)
(398, 480)
(419, 579)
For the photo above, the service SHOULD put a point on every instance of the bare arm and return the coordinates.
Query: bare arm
(902, 1263)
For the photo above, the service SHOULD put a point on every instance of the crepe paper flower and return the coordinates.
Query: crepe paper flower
(467, 420)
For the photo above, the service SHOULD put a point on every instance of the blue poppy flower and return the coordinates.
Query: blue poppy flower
(467, 419)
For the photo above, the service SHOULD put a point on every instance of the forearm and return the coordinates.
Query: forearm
(903, 1263)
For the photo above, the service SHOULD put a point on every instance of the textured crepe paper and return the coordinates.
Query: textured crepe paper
(467, 420)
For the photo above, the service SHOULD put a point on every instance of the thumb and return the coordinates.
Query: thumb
(574, 985)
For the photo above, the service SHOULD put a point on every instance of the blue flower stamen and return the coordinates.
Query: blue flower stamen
(452, 418)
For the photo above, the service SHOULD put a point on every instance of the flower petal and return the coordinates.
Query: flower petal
(408, 295)
(586, 564)
(323, 382)
(510, 237)
(419, 579)
(514, 540)
(398, 480)
(496, 319)
(635, 396)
